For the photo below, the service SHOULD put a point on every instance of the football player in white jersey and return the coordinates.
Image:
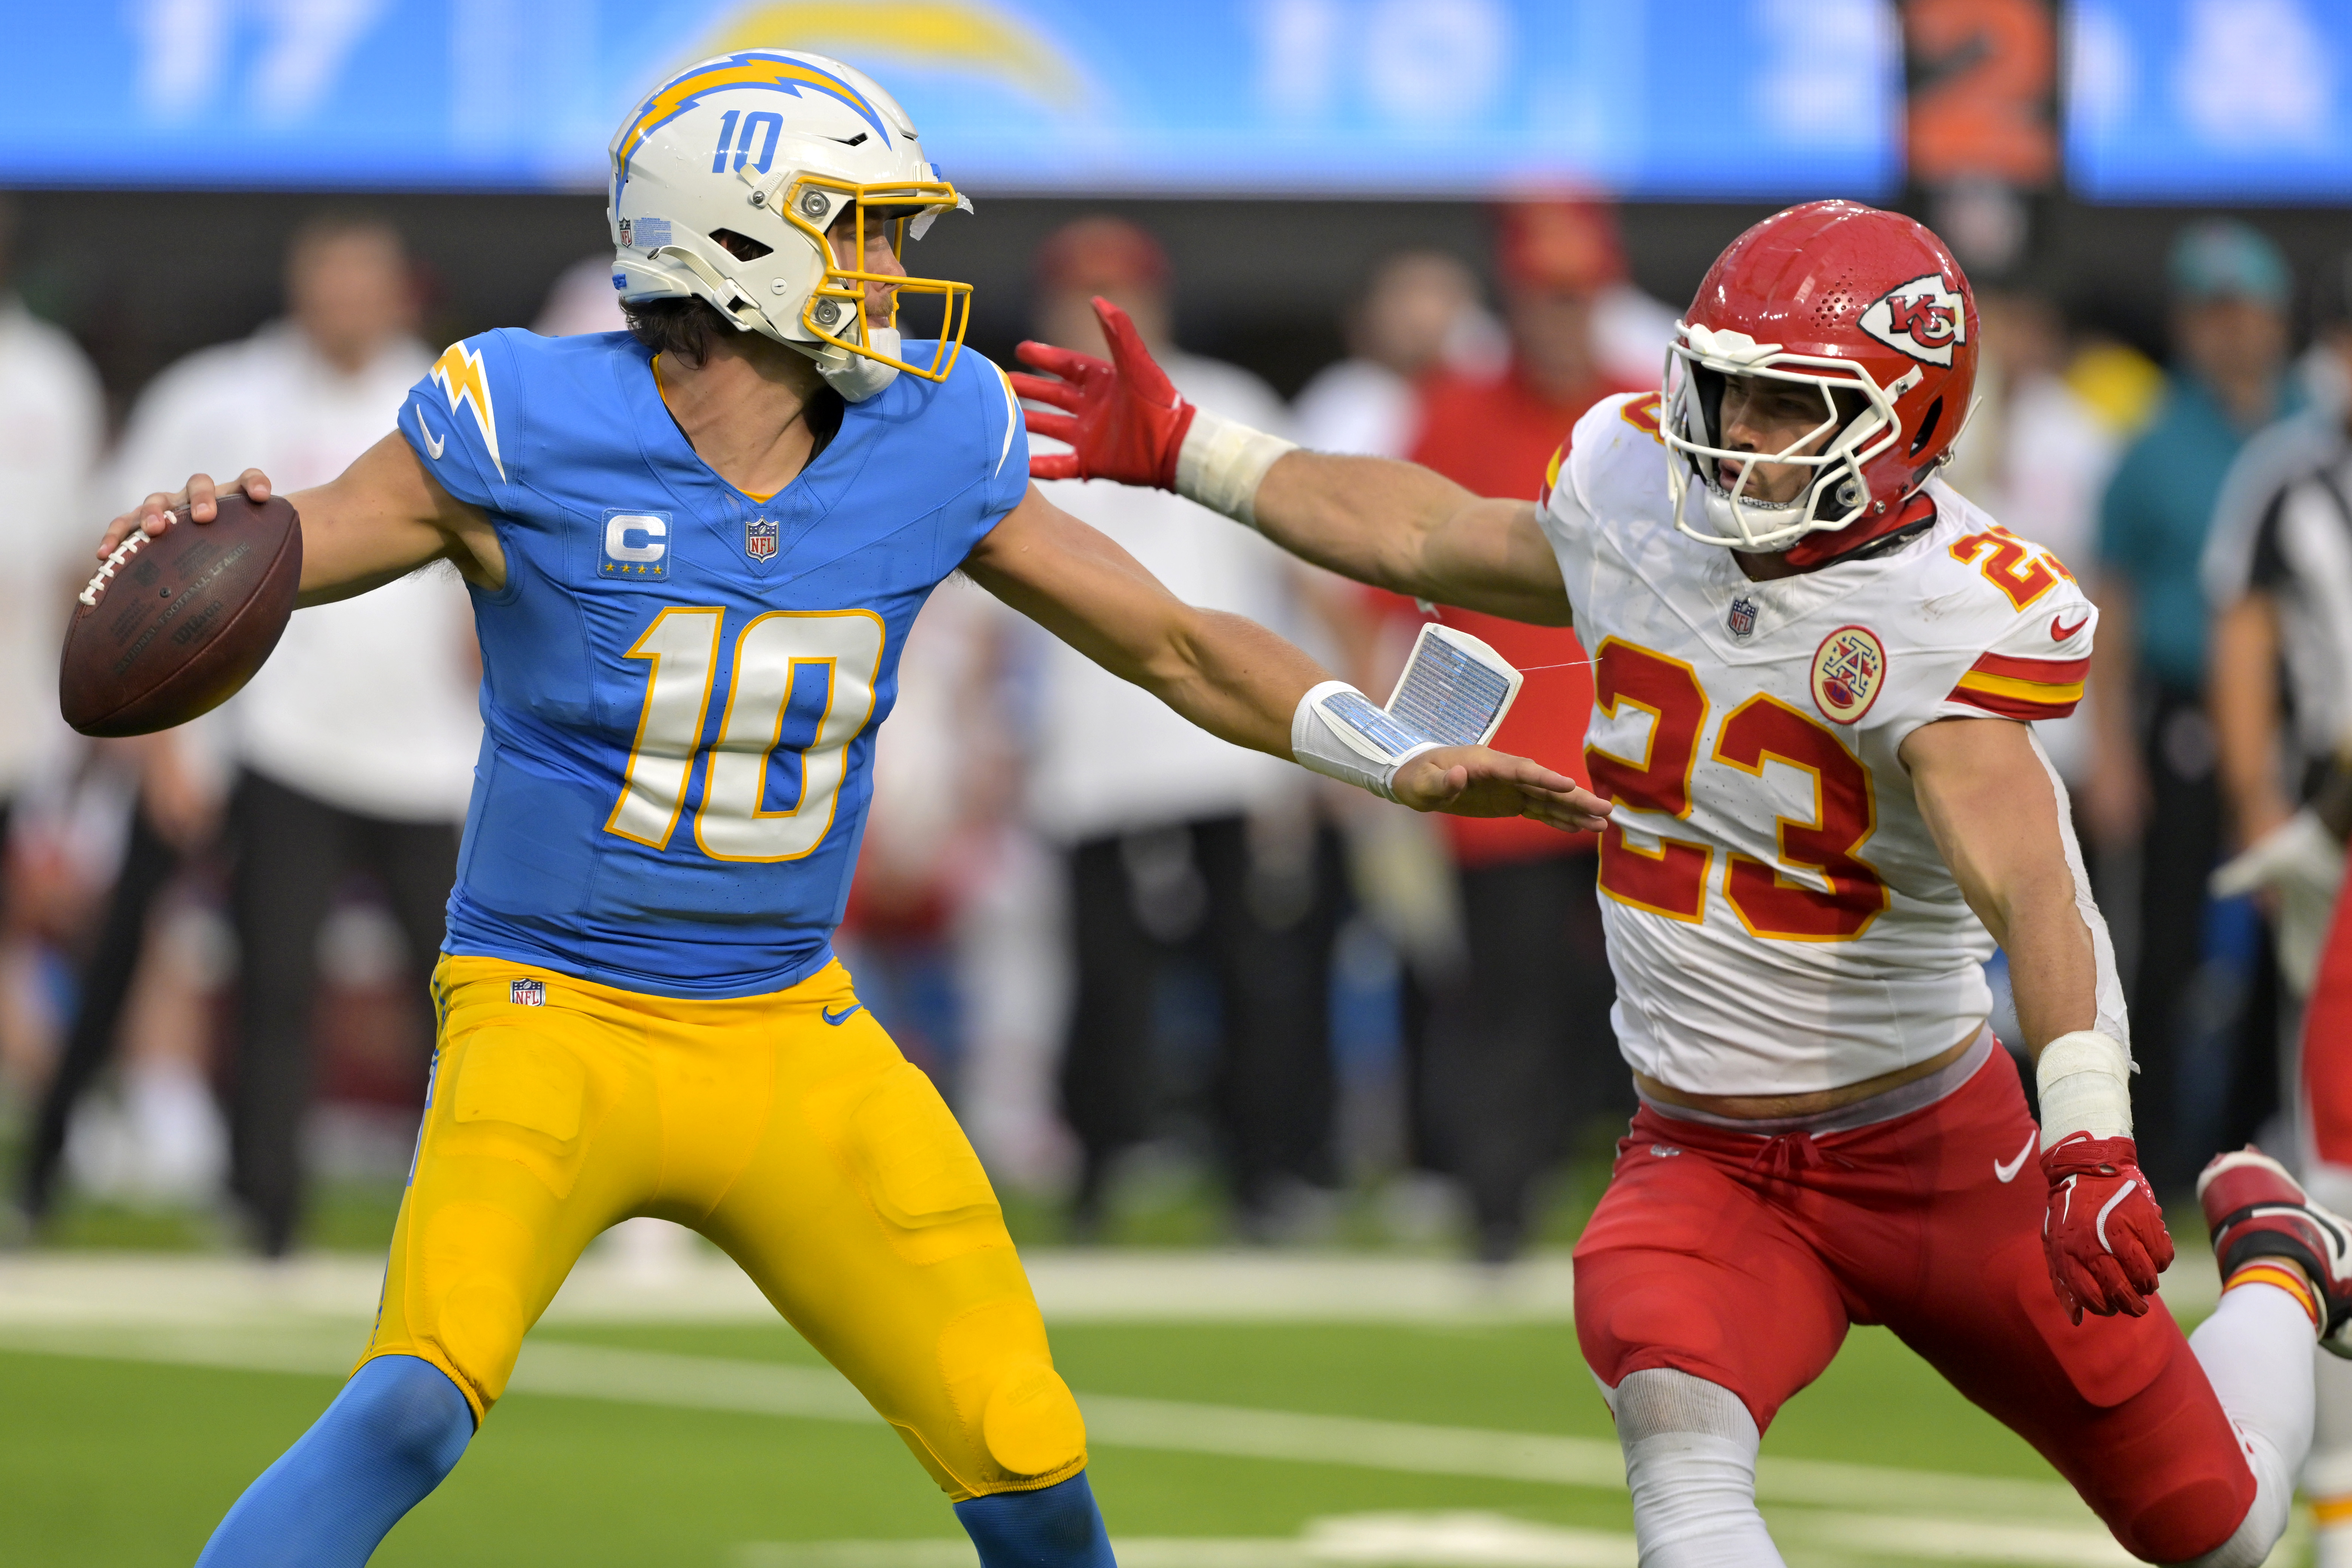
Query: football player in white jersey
(1816, 668)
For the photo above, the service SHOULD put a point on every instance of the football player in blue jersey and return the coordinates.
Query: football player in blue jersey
(695, 550)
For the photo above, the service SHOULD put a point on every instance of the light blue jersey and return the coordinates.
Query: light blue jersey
(681, 683)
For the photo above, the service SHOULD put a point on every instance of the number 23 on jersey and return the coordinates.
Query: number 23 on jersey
(1672, 879)
(790, 668)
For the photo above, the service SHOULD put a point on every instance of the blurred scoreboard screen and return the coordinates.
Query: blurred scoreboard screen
(2221, 101)
(1763, 99)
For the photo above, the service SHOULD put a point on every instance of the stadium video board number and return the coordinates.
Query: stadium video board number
(1433, 97)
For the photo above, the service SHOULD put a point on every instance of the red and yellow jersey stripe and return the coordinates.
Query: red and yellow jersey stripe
(1552, 472)
(2023, 688)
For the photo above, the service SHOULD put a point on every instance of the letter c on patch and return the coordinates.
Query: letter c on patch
(648, 546)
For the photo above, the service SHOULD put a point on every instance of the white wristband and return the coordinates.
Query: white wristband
(1223, 462)
(1336, 732)
(2085, 1083)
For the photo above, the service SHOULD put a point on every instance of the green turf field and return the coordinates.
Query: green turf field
(112, 1461)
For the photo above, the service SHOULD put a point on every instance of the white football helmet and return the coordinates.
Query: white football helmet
(776, 147)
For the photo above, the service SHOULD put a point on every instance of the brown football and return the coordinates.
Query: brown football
(174, 623)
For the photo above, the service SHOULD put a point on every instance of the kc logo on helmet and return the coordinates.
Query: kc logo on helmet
(1925, 318)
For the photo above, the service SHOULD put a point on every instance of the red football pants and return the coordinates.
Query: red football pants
(1741, 1259)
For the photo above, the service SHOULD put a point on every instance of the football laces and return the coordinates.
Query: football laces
(96, 587)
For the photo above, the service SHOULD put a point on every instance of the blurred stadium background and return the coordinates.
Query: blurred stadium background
(1294, 1106)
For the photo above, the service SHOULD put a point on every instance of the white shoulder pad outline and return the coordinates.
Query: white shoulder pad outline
(463, 379)
(1012, 419)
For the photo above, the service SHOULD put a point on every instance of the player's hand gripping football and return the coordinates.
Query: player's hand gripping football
(194, 501)
(2104, 1234)
(1472, 781)
(1121, 416)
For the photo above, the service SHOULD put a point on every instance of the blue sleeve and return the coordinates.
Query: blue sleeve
(1004, 443)
(463, 419)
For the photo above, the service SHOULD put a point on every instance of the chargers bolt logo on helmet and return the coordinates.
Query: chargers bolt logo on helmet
(757, 181)
(1862, 311)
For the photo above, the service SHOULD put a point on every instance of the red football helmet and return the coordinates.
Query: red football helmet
(1867, 308)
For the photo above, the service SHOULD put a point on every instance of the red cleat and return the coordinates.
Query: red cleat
(2257, 1211)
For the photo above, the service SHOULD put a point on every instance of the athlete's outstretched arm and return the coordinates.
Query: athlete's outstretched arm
(1394, 525)
(377, 521)
(1407, 529)
(1230, 677)
(1995, 811)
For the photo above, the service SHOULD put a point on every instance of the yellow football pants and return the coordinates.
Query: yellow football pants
(785, 1127)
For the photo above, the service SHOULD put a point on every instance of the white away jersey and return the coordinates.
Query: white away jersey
(1779, 919)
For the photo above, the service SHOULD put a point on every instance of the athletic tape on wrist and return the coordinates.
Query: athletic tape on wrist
(1336, 732)
(2084, 1080)
(1223, 461)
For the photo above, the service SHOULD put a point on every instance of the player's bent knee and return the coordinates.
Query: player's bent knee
(2195, 1515)
(1032, 1425)
(410, 1411)
(1015, 1423)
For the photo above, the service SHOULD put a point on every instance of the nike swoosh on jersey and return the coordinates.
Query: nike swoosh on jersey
(2060, 634)
(431, 445)
(838, 1019)
(2008, 1173)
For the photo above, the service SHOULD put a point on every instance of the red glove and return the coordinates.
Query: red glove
(1123, 418)
(2103, 1234)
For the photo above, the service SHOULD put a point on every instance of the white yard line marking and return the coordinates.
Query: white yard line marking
(1481, 1540)
(1141, 1285)
(807, 1393)
(1131, 1286)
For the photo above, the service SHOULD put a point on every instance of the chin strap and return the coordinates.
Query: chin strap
(856, 376)
(1825, 548)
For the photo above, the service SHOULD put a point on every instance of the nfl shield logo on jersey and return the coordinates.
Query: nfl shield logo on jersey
(527, 992)
(760, 535)
(1848, 669)
(1742, 619)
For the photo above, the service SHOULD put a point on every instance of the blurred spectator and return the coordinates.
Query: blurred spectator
(2278, 578)
(1179, 846)
(50, 422)
(2037, 455)
(1523, 1052)
(1627, 332)
(51, 419)
(582, 299)
(1419, 310)
(354, 746)
(2278, 574)
(943, 783)
(2152, 774)
(1420, 313)
(173, 814)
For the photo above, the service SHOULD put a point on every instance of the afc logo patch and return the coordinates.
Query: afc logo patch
(1925, 318)
(1848, 669)
(759, 537)
(636, 546)
(527, 992)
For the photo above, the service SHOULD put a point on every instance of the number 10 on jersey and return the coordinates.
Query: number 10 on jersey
(772, 653)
